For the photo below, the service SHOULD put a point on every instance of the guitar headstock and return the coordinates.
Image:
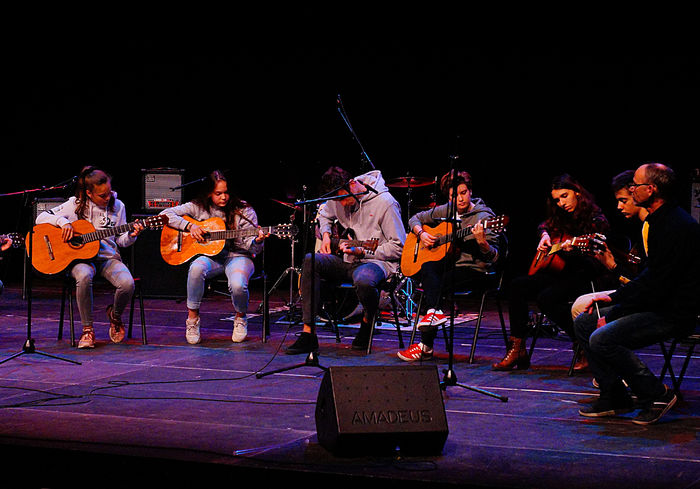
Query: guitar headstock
(154, 222)
(284, 230)
(17, 239)
(591, 243)
(497, 224)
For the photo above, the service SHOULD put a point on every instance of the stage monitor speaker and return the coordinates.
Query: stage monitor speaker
(379, 409)
(160, 188)
(158, 279)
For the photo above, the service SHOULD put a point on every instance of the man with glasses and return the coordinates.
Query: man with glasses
(661, 302)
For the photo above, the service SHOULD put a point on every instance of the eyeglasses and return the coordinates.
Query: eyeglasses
(632, 186)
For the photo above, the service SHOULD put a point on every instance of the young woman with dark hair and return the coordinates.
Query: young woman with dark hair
(235, 260)
(571, 212)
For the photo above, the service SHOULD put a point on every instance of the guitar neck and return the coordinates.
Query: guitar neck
(238, 233)
(99, 234)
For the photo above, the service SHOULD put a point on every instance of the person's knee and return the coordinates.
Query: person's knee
(238, 287)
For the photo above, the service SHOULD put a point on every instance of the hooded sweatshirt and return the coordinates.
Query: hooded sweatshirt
(470, 255)
(99, 217)
(378, 215)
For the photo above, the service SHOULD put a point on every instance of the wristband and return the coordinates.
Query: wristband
(420, 232)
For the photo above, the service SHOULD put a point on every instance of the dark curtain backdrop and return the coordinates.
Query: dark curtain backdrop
(265, 107)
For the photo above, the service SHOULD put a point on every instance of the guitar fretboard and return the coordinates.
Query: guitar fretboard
(99, 234)
(464, 232)
(239, 233)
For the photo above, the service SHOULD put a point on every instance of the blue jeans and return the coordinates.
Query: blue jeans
(610, 352)
(115, 272)
(366, 277)
(238, 270)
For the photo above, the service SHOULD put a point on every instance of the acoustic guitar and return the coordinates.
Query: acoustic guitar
(178, 247)
(51, 255)
(551, 261)
(415, 253)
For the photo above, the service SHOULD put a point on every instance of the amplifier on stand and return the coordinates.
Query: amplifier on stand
(42, 204)
(161, 189)
(158, 279)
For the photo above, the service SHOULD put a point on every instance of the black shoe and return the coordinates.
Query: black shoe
(306, 343)
(660, 406)
(605, 407)
(361, 340)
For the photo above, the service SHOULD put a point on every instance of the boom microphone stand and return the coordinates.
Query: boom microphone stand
(450, 378)
(28, 347)
(341, 110)
(308, 226)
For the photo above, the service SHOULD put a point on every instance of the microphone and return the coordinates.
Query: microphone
(447, 219)
(347, 189)
(370, 188)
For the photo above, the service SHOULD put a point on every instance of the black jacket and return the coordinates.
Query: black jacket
(670, 283)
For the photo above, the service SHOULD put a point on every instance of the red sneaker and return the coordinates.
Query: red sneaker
(417, 351)
(433, 318)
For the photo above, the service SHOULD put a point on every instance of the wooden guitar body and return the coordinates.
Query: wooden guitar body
(415, 254)
(546, 261)
(178, 247)
(51, 255)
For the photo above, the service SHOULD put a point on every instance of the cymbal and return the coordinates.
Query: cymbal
(405, 182)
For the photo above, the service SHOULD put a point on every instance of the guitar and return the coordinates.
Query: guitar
(550, 260)
(17, 239)
(51, 255)
(348, 237)
(178, 247)
(415, 254)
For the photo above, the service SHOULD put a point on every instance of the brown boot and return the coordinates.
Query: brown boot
(515, 357)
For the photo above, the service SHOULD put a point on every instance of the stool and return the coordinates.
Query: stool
(388, 285)
(691, 341)
(491, 286)
(69, 290)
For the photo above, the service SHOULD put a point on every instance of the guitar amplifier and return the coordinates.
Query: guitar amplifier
(158, 279)
(44, 204)
(160, 189)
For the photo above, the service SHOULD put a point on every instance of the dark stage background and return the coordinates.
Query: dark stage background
(264, 106)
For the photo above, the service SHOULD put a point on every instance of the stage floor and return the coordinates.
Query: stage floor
(170, 413)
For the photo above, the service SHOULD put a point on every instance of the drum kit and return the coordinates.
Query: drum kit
(404, 293)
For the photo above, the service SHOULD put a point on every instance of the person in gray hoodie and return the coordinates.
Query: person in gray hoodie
(475, 258)
(95, 202)
(372, 213)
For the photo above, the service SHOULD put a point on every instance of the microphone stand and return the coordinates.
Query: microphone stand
(308, 225)
(29, 347)
(344, 116)
(450, 378)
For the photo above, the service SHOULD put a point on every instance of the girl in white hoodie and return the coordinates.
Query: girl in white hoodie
(95, 202)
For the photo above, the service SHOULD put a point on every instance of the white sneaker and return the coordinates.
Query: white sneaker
(192, 331)
(240, 329)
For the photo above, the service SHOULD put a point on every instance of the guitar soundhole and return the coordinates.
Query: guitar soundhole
(76, 242)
